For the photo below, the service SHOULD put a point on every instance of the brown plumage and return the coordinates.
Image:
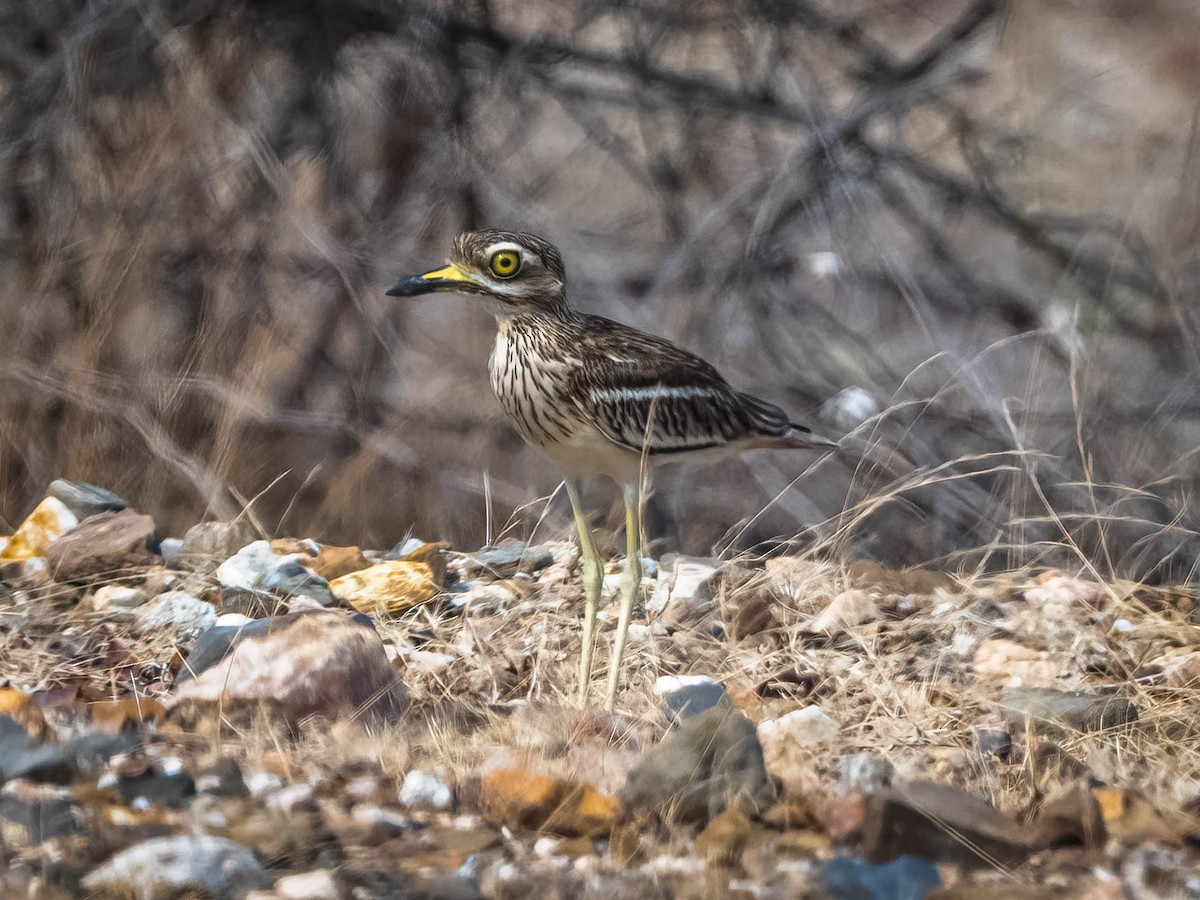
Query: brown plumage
(596, 396)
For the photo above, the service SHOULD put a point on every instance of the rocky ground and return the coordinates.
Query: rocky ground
(223, 715)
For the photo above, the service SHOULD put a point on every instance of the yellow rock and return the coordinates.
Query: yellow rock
(49, 521)
(387, 587)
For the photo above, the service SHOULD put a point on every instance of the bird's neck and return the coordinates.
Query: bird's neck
(548, 317)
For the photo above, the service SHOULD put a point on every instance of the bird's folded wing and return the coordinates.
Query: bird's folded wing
(645, 393)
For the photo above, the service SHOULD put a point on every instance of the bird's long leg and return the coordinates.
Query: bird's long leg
(631, 586)
(593, 582)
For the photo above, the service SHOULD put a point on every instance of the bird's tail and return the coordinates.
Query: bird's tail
(776, 430)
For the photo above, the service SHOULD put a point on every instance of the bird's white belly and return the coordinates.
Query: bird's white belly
(533, 391)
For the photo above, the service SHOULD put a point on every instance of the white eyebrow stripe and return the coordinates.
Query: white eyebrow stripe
(640, 395)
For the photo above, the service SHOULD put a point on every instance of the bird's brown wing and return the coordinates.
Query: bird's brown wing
(645, 393)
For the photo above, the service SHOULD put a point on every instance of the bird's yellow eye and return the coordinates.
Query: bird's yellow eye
(505, 263)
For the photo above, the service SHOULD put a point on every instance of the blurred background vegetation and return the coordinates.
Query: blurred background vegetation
(966, 230)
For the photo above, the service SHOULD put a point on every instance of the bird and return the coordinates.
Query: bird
(598, 398)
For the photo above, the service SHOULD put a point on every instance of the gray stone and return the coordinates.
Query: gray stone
(84, 499)
(1082, 712)
(23, 756)
(685, 696)
(507, 559)
(712, 762)
(993, 742)
(943, 824)
(169, 866)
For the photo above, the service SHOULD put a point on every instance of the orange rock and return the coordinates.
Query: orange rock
(434, 556)
(113, 716)
(387, 587)
(289, 546)
(541, 803)
(49, 521)
(334, 562)
(724, 839)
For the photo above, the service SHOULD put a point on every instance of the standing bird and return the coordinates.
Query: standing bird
(597, 397)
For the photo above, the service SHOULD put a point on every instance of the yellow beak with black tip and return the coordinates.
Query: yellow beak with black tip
(449, 278)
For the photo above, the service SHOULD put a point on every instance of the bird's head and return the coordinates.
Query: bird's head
(519, 273)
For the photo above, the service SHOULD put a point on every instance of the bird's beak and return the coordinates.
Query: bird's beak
(449, 278)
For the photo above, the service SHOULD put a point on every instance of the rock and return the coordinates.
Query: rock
(791, 682)
(179, 612)
(388, 587)
(117, 598)
(865, 772)
(847, 610)
(711, 762)
(725, 838)
(993, 742)
(256, 569)
(507, 559)
(868, 575)
(32, 813)
(686, 583)
(746, 601)
(1083, 712)
(222, 779)
(940, 823)
(424, 790)
(1016, 664)
(851, 406)
(1072, 817)
(153, 787)
(1053, 587)
(318, 664)
(850, 878)
(23, 756)
(83, 499)
(520, 800)
(105, 544)
(316, 885)
(799, 728)
(207, 543)
(48, 522)
(169, 866)
(334, 562)
(689, 695)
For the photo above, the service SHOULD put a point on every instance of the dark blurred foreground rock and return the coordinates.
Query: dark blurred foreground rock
(24, 756)
(173, 866)
(323, 664)
(104, 544)
(940, 823)
(712, 762)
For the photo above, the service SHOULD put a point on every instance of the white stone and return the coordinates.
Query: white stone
(316, 885)
(669, 684)
(810, 725)
(850, 407)
(546, 846)
(420, 789)
(233, 620)
(261, 783)
(245, 569)
(824, 263)
(117, 598)
(180, 611)
(847, 610)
